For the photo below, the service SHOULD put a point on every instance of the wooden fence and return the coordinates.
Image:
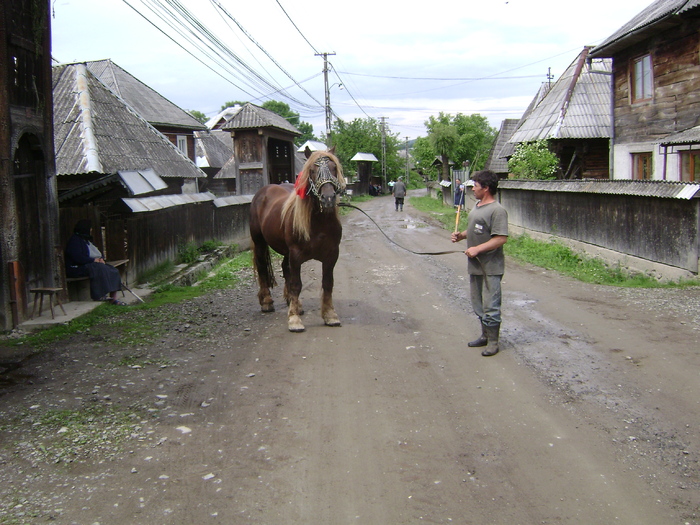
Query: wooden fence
(149, 238)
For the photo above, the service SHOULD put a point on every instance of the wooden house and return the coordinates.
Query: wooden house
(172, 121)
(574, 116)
(656, 92)
(263, 148)
(28, 206)
(105, 152)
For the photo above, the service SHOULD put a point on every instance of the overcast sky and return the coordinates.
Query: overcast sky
(401, 60)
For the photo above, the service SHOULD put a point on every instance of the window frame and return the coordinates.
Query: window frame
(693, 164)
(181, 143)
(638, 165)
(642, 74)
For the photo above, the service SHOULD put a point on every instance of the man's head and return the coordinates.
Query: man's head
(487, 179)
(458, 182)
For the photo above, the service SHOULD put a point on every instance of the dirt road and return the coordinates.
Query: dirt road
(589, 414)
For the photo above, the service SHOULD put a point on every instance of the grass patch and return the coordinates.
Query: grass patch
(138, 329)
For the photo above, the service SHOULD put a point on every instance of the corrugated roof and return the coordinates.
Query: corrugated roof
(252, 117)
(688, 136)
(147, 102)
(639, 188)
(576, 107)
(366, 157)
(96, 132)
(140, 182)
(496, 163)
(232, 200)
(211, 152)
(138, 205)
(654, 18)
(508, 148)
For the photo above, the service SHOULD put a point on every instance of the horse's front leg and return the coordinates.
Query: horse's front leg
(330, 318)
(293, 290)
(285, 273)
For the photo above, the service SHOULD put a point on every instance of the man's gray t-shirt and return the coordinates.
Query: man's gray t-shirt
(485, 222)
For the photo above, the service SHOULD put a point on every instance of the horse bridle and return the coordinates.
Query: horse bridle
(323, 176)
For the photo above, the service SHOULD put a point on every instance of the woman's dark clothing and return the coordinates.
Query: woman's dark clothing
(104, 278)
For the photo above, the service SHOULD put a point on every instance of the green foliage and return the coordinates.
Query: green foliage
(446, 215)
(457, 138)
(201, 117)
(232, 103)
(365, 135)
(423, 157)
(533, 160)
(188, 253)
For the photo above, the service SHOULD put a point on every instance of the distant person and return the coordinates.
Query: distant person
(83, 259)
(486, 233)
(399, 191)
(459, 193)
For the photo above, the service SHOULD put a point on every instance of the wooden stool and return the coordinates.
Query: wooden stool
(51, 292)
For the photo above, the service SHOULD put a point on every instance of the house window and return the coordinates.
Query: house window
(690, 166)
(642, 167)
(182, 144)
(642, 79)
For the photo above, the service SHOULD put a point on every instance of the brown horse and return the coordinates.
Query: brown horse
(301, 223)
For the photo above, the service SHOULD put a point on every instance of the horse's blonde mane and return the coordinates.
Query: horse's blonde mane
(301, 209)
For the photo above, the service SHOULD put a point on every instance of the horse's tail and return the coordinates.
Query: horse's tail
(262, 263)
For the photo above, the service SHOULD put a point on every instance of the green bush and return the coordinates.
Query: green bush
(533, 160)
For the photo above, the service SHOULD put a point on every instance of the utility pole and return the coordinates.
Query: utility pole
(327, 91)
(383, 120)
(407, 179)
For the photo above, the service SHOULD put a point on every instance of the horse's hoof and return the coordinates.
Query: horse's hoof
(332, 321)
(295, 324)
(266, 308)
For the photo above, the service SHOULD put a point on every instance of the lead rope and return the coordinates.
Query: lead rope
(346, 205)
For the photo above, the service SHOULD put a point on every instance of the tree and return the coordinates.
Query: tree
(443, 138)
(533, 160)
(365, 135)
(423, 157)
(201, 117)
(231, 104)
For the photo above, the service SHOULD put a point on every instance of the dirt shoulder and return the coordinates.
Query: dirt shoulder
(219, 415)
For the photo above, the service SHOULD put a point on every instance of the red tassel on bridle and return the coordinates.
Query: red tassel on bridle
(300, 190)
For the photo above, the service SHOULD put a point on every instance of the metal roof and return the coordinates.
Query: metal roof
(496, 163)
(578, 105)
(688, 136)
(232, 200)
(211, 152)
(639, 188)
(658, 16)
(251, 117)
(313, 145)
(366, 157)
(147, 102)
(140, 182)
(161, 202)
(508, 148)
(95, 131)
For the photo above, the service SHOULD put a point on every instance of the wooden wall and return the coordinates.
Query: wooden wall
(676, 102)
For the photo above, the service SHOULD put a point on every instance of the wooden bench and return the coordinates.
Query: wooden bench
(77, 289)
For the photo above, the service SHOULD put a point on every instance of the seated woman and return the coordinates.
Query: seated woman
(84, 259)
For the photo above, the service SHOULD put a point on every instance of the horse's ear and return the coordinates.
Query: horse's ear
(307, 152)
(332, 150)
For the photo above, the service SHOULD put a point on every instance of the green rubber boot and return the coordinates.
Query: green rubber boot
(492, 334)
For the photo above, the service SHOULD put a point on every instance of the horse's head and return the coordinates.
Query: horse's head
(326, 180)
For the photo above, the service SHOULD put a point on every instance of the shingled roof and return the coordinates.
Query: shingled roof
(211, 152)
(147, 102)
(576, 107)
(252, 117)
(96, 132)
